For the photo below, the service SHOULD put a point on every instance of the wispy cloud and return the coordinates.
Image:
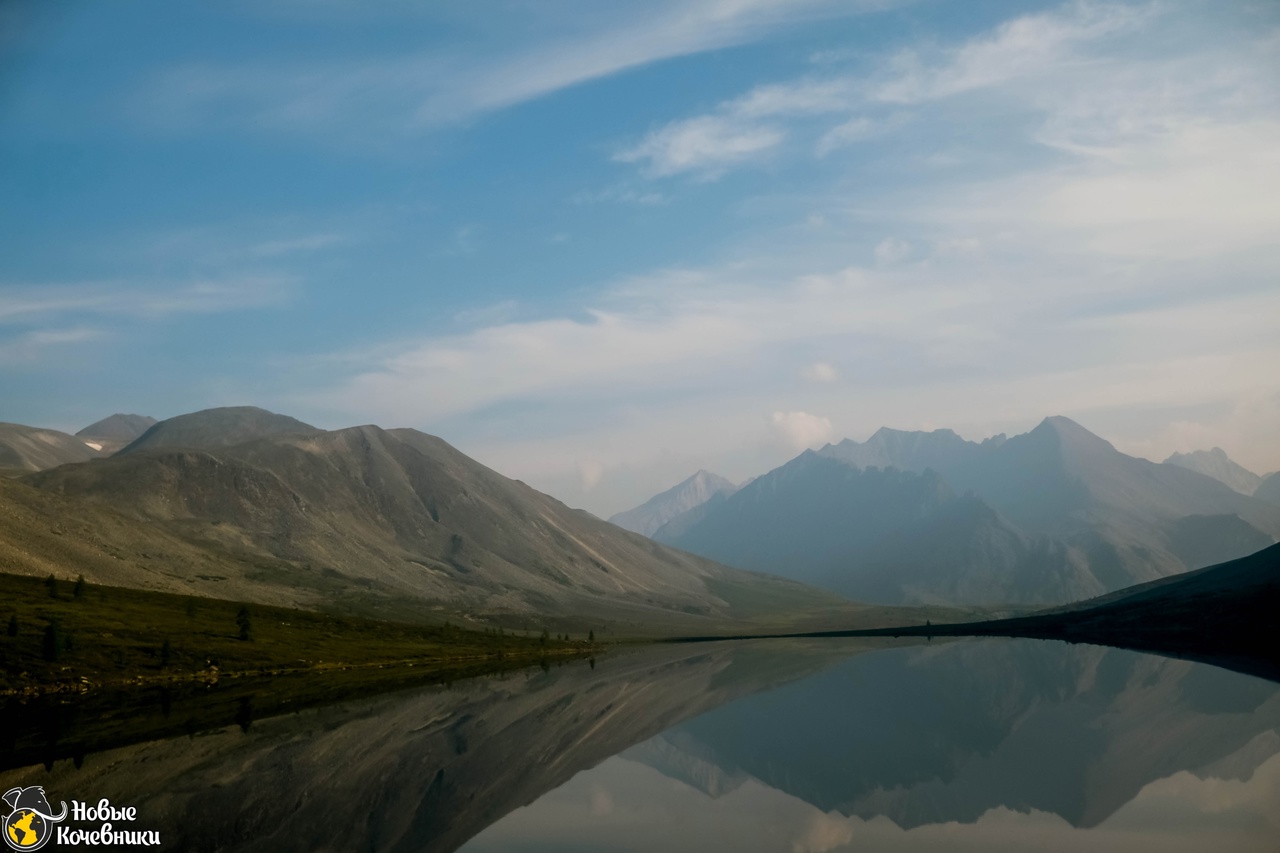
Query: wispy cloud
(26, 304)
(707, 145)
(408, 93)
(22, 349)
(1018, 50)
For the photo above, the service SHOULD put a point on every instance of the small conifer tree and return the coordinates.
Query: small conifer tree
(244, 623)
(53, 641)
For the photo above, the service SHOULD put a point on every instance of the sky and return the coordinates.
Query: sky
(600, 246)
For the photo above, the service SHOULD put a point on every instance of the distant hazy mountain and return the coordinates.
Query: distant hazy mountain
(395, 522)
(942, 450)
(661, 508)
(1047, 516)
(882, 535)
(114, 432)
(1269, 490)
(24, 448)
(1216, 464)
(213, 428)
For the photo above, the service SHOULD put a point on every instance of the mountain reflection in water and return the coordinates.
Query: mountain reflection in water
(770, 746)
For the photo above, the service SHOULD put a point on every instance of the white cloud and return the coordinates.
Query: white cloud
(892, 250)
(1019, 49)
(707, 145)
(798, 430)
(854, 130)
(821, 371)
(590, 473)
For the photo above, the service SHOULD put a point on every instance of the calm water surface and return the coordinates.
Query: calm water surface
(793, 747)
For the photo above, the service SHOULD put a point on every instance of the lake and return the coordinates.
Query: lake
(795, 746)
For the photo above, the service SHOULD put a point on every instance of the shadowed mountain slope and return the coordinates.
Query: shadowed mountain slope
(661, 508)
(399, 519)
(1216, 464)
(212, 428)
(1224, 614)
(24, 448)
(1269, 490)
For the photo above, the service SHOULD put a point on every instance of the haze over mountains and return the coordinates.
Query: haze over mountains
(1216, 464)
(677, 500)
(1051, 516)
(244, 502)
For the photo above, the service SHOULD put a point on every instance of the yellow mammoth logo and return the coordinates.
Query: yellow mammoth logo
(29, 825)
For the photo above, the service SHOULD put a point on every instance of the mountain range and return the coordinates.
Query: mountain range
(1050, 516)
(243, 503)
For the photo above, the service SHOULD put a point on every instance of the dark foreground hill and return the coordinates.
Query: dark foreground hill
(1223, 614)
(390, 522)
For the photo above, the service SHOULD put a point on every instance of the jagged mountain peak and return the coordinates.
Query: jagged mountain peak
(1217, 464)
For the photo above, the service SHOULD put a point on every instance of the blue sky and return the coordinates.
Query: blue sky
(599, 246)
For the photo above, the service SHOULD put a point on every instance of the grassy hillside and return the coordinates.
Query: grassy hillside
(73, 636)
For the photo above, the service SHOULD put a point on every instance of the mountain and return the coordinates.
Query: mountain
(112, 433)
(1216, 464)
(396, 522)
(659, 509)
(1269, 490)
(1044, 517)
(941, 450)
(884, 536)
(213, 428)
(24, 448)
